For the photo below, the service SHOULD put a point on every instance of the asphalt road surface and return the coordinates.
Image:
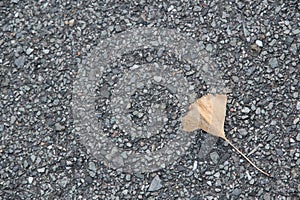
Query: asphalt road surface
(47, 47)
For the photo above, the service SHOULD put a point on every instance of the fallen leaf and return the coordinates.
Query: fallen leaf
(208, 113)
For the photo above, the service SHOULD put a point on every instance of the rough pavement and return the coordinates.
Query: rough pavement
(255, 44)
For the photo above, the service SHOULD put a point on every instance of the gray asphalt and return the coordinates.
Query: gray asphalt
(43, 46)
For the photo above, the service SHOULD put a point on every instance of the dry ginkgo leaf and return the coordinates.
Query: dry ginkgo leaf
(208, 113)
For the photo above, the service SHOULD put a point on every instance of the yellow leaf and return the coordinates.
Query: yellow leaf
(208, 113)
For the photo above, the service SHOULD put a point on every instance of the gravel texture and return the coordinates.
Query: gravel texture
(254, 43)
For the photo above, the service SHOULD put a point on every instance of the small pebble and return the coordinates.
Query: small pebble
(155, 184)
(214, 156)
(298, 105)
(30, 180)
(59, 127)
(71, 22)
(157, 78)
(29, 51)
(41, 170)
(298, 137)
(19, 62)
(246, 110)
(273, 62)
(236, 192)
(259, 43)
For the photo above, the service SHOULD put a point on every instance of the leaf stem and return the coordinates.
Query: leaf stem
(265, 173)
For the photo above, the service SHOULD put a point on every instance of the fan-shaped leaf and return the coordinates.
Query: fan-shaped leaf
(208, 113)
